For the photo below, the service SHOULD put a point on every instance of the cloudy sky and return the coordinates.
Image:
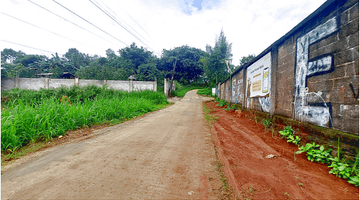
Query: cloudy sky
(92, 26)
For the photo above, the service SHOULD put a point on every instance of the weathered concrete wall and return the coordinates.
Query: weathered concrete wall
(7, 83)
(37, 83)
(314, 70)
(84, 82)
(118, 85)
(285, 77)
(56, 83)
(237, 88)
(143, 85)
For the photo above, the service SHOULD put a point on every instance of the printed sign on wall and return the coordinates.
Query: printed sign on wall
(258, 77)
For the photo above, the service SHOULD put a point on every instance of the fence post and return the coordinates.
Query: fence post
(273, 78)
(17, 82)
(47, 83)
(131, 78)
(155, 84)
(77, 81)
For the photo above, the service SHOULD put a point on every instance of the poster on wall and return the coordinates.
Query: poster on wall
(258, 77)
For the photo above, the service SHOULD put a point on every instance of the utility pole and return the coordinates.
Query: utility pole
(227, 61)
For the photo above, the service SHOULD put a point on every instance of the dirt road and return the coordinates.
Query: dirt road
(167, 154)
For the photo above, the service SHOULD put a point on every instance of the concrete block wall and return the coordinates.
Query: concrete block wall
(99, 83)
(48, 83)
(237, 88)
(31, 83)
(118, 85)
(314, 71)
(285, 77)
(56, 83)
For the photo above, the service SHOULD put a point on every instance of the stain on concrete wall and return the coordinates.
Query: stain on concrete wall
(303, 112)
(264, 103)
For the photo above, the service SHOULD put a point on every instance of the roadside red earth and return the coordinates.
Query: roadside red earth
(242, 147)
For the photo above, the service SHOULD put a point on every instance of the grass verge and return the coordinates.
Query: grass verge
(31, 116)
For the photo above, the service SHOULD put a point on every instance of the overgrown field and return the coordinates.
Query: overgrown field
(205, 91)
(181, 90)
(29, 115)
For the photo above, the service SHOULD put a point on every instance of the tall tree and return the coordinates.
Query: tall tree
(246, 59)
(10, 55)
(137, 56)
(110, 54)
(214, 61)
(188, 66)
(77, 59)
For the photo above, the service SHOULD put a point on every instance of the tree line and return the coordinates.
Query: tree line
(189, 65)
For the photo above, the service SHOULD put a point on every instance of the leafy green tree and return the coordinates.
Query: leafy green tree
(10, 55)
(214, 61)
(246, 59)
(102, 72)
(137, 56)
(76, 59)
(110, 54)
(12, 70)
(147, 72)
(188, 66)
(58, 66)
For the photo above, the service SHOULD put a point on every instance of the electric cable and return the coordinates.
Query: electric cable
(89, 22)
(41, 28)
(28, 46)
(125, 22)
(117, 22)
(69, 21)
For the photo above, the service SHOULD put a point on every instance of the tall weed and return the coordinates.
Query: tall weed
(23, 121)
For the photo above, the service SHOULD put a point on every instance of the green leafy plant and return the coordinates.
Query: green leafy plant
(266, 123)
(345, 171)
(316, 153)
(354, 180)
(221, 103)
(288, 133)
(340, 169)
(230, 107)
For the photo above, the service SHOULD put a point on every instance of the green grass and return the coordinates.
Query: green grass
(36, 115)
(205, 91)
(181, 90)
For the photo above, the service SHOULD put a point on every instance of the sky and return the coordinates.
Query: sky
(44, 27)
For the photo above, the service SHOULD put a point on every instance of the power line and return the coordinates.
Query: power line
(41, 28)
(127, 23)
(138, 25)
(89, 22)
(28, 46)
(69, 21)
(111, 17)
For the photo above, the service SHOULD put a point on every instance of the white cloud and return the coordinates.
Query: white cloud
(251, 26)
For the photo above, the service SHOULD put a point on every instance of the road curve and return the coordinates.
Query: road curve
(167, 154)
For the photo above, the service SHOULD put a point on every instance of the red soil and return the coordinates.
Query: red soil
(242, 146)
